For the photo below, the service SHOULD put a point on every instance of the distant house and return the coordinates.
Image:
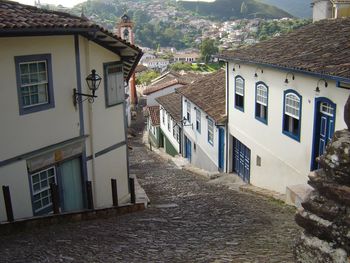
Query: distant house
(186, 57)
(153, 126)
(204, 125)
(324, 9)
(156, 63)
(170, 123)
(285, 98)
(167, 83)
(48, 134)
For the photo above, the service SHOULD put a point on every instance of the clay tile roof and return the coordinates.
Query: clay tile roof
(172, 104)
(154, 114)
(322, 48)
(170, 79)
(209, 95)
(18, 19)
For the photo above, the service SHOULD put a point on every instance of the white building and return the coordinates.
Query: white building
(323, 9)
(46, 135)
(285, 98)
(166, 84)
(170, 123)
(156, 63)
(204, 122)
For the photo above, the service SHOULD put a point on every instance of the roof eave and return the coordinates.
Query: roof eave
(294, 70)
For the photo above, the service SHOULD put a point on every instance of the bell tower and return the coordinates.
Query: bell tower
(124, 31)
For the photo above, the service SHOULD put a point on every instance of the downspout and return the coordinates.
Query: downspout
(91, 129)
(227, 114)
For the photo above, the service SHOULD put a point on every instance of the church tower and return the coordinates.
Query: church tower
(124, 30)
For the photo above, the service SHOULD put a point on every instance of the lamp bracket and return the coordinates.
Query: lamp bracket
(78, 97)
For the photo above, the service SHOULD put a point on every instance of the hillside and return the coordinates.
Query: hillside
(230, 9)
(297, 8)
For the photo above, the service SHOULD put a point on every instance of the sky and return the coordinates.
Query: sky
(71, 3)
(66, 3)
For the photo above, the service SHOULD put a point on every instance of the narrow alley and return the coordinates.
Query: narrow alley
(188, 220)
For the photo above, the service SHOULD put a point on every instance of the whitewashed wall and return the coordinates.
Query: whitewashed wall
(284, 161)
(25, 133)
(164, 128)
(206, 155)
(151, 98)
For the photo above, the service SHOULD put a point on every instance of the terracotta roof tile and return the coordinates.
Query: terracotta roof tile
(172, 104)
(209, 95)
(322, 47)
(170, 79)
(154, 114)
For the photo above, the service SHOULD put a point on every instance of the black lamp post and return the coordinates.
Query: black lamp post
(93, 81)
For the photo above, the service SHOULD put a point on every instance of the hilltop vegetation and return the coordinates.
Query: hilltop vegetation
(297, 8)
(234, 9)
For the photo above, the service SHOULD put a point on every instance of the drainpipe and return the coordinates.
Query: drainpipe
(227, 114)
(91, 129)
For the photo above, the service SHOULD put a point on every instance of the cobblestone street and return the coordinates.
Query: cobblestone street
(188, 220)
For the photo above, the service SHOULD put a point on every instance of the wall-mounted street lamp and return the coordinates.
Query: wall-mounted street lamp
(287, 80)
(317, 90)
(93, 81)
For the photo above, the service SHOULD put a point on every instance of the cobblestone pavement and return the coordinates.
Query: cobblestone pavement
(188, 221)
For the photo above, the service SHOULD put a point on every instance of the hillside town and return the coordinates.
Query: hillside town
(234, 152)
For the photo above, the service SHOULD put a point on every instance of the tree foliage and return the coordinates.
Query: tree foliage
(207, 49)
(145, 78)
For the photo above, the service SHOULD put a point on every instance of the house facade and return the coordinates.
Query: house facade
(166, 84)
(154, 134)
(284, 101)
(48, 134)
(204, 122)
(170, 123)
(325, 9)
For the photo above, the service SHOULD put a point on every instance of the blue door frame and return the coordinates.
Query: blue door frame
(241, 160)
(221, 148)
(324, 124)
(188, 149)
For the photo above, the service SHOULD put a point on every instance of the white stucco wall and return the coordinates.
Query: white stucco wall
(21, 134)
(321, 10)
(284, 161)
(151, 98)
(210, 161)
(164, 128)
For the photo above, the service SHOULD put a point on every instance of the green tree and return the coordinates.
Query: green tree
(145, 78)
(208, 48)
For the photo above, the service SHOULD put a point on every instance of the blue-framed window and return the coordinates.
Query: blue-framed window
(261, 102)
(239, 93)
(40, 189)
(113, 83)
(198, 120)
(34, 83)
(292, 114)
(188, 116)
(210, 131)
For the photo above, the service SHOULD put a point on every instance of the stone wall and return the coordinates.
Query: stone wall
(325, 214)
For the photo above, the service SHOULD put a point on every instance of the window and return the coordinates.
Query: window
(40, 183)
(210, 131)
(177, 133)
(34, 83)
(188, 117)
(114, 83)
(239, 93)
(261, 99)
(198, 120)
(168, 121)
(292, 114)
(163, 116)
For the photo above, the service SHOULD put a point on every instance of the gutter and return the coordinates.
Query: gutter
(294, 70)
